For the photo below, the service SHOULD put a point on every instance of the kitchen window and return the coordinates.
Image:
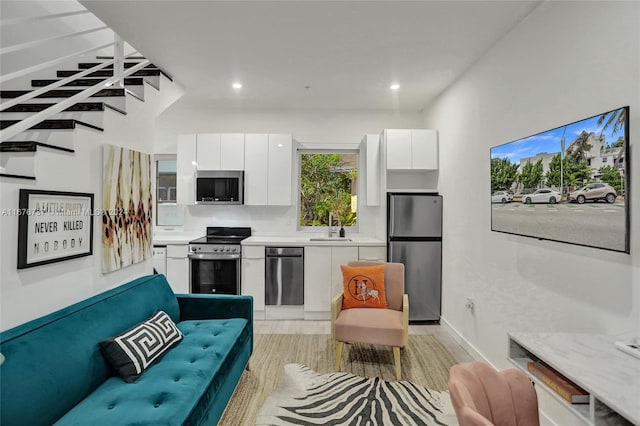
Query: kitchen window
(168, 212)
(328, 184)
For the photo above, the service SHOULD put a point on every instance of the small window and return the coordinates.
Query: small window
(168, 212)
(328, 184)
(604, 159)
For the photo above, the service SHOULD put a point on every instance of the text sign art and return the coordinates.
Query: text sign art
(54, 226)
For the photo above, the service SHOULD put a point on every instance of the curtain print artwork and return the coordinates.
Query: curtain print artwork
(127, 207)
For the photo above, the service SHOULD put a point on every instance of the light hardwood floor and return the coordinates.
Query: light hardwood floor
(324, 327)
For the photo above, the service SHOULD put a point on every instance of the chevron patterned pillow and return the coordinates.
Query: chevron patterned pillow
(132, 351)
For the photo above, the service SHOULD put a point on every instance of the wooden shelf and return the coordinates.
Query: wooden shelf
(611, 377)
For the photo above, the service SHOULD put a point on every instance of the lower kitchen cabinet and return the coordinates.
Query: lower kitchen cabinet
(323, 278)
(178, 267)
(372, 253)
(252, 277)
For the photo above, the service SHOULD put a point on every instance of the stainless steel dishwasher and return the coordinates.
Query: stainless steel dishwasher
(284, 280)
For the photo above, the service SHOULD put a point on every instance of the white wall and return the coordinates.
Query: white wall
(566, 61)
(306, 126)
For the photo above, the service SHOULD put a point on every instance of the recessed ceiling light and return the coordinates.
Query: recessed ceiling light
(237, 85)
(394, 86)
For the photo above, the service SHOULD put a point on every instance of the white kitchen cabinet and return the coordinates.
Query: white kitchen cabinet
(160, 259)
(370, 146)
(185, 169)
(317, 282)
(340, 256)
(253, 277)
(372, 253)
(323, 277)
(220, 151)
(256, 168)
(411, 149)
(208, 151)
(279, 175)
(178, 267)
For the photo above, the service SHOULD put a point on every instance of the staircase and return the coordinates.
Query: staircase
(57, 133)
(70, 90)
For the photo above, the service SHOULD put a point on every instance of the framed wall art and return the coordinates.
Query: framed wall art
(53, 226)
(127, 204)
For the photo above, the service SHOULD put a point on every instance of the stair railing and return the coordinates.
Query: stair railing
(117, 80)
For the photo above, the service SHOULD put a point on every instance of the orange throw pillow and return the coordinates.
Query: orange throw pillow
(363, 287)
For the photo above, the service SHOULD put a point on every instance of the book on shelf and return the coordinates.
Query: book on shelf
(558, 383)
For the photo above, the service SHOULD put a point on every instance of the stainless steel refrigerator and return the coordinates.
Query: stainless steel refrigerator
(414, 237)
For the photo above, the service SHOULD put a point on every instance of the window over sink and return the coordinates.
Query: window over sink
(328, 183)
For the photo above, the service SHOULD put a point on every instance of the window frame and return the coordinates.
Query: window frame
(332, 149)
(156, 158)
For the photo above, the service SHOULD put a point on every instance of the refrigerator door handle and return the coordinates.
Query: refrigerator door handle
(391, 220)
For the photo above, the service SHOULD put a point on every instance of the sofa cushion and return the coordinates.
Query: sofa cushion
(179, 389)
(133, 350)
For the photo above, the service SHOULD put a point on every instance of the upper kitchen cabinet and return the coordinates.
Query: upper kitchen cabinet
(411, 149)
(280, 176)
(220, 151)
(370, 147)
(269, 169)
(185, 169)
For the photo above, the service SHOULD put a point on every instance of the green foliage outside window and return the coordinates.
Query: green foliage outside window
(327, 184)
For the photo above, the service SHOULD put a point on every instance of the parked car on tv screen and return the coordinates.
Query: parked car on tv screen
(594, 192)
(542, 196)
(501, 197)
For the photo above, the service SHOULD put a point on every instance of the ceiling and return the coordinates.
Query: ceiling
(313, 54)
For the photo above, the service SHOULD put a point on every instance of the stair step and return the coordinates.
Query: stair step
(63, 93)
(87, 65)
(79, 107)
(145, 72)
(128, 81)
(128, 57)
(9, 175)
(64, 124)
(82, 106)
(28, 146)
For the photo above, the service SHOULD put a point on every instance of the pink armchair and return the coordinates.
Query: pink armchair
(389, 327)
(483, 396)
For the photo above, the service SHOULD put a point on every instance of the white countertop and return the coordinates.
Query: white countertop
(304, 240)
(181, 237)
(175, 237)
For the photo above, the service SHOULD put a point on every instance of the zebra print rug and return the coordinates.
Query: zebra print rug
(304, 397)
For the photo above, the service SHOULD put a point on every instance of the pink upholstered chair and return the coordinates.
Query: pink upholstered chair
(389, 327)
(482, 396)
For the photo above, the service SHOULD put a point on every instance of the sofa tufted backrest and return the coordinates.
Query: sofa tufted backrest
(53, 362)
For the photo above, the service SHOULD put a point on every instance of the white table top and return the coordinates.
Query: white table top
(592, 362)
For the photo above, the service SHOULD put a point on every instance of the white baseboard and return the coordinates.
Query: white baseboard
(477, 355)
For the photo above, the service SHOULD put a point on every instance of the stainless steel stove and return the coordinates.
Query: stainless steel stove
(215, 260)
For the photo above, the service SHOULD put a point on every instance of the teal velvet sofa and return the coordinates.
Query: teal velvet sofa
(54, 372)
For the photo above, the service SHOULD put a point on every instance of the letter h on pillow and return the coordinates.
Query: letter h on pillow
(363, 287)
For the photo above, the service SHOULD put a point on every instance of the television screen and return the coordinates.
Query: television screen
(568, 184)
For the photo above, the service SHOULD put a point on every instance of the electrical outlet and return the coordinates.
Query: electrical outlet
(469, 304)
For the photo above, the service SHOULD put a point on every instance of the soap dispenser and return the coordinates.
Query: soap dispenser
(341, 231)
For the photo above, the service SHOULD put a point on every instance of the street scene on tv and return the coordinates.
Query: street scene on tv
(566, 184)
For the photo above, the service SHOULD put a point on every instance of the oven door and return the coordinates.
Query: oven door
(215, 274)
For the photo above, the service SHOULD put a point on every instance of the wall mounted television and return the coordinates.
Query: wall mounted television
(569, 184)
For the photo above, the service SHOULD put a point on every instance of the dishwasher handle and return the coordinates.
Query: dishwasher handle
(284, 251)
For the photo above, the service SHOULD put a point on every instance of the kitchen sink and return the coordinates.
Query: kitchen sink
(329, 239)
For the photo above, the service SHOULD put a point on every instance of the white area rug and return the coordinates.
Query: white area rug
(304, 397)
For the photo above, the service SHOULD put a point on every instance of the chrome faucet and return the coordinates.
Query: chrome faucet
(331, 230)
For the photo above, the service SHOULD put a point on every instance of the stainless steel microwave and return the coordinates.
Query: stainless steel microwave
(219, 187)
